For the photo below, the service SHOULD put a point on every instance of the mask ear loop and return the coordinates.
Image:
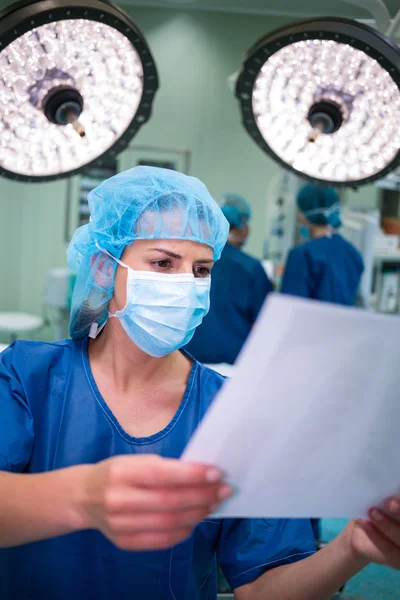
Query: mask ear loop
(111, 256)
(323, 211)
(327, 213)
(95, 330)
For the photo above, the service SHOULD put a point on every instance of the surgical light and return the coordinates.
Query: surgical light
(77, 80)
(322, 97)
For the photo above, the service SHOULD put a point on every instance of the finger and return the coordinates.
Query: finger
(386, 525)
(166, 499)
(385, 551)
(151, 540)
(155, 471)
(392, 506)
(182, 499)
(173, 473)
(166, 521)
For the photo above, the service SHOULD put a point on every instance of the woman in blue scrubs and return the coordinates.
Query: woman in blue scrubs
(94, 503)
(326, 267)
(240, 286)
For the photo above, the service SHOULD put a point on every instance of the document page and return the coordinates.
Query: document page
(309, 424)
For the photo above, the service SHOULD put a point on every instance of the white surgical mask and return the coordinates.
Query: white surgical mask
(162, 311)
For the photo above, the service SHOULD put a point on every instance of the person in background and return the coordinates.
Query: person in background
(326, 267)
(239, 288)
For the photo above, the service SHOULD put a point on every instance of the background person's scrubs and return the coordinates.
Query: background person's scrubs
(327, 268)
(53, 416)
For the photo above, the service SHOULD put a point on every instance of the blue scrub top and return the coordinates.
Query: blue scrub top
(239, 286)
(53, 416)
(326, 268)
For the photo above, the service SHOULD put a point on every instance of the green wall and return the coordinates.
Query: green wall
(366, 197)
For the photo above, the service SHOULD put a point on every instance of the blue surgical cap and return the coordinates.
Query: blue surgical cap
(320, 205)
(143, 203)
(236, 209)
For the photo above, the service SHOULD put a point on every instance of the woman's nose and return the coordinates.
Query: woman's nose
(186, 266)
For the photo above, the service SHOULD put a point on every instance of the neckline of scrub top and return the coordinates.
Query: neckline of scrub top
(110, 415)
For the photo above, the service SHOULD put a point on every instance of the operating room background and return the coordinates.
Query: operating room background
(195, 52)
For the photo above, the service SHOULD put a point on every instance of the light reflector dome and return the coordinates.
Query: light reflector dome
(77, 82)
(322, 97)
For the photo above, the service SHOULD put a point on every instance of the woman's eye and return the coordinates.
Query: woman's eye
(202, 271)
(161, 264)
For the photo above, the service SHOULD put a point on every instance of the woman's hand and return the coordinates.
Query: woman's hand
(378, 539)
(147, 502)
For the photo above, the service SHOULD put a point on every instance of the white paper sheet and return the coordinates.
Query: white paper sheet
(309, 426)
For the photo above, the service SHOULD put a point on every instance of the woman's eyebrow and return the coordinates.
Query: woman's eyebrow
(202, 261)
(164, 251)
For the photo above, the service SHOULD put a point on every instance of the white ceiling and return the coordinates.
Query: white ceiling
(295, 8)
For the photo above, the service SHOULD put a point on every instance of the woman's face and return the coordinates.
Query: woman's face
(161, 256)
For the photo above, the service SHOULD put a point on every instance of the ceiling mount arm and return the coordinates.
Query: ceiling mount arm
(394, 28)
(378, 10)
